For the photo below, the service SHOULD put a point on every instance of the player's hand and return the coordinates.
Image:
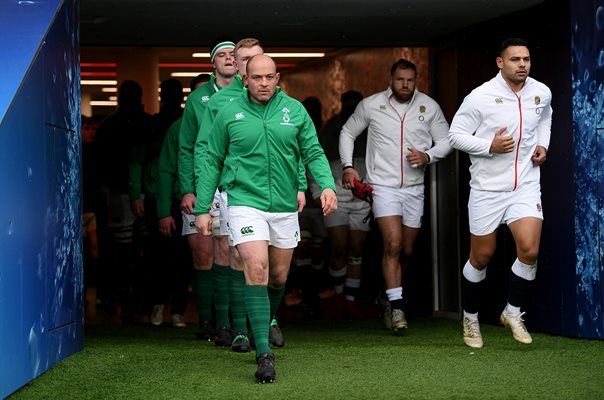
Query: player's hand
(539, 156)
(167, 226)
(187, 203)
(417, 158)
(138, 207)
(329, 202)
(203, 223)
(502, 144)
(301, 201)
(348, 177)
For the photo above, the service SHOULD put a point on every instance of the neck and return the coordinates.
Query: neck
(516, 87)
(224, 81)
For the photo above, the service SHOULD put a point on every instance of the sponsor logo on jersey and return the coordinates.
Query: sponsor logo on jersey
(382, 107)
(192, 224)
(205, 99)
(239, 115)
(498, 100)
(247, 230)
(286, 118)
(539, 207)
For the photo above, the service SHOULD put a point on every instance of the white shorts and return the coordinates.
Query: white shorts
(351, 215)
(248, 224)
(215, 209)
(188, 224)
(223, 206)
(487, 210)
(408, 202)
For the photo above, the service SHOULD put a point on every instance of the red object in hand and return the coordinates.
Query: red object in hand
(362, 190)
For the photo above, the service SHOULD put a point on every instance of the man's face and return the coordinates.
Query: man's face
(224, 62)
(262, 79)
(515, 64)
(244, 54)
(402, 84)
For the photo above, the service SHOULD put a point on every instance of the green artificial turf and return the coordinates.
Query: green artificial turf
(327, 360)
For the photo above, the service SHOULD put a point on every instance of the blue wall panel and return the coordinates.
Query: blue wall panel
(589, 163)
(40, 209)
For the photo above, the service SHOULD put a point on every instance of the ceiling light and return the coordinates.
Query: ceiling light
(103, 103)
(109, 90)
(112, 98)
(300, 55)
(99, 82)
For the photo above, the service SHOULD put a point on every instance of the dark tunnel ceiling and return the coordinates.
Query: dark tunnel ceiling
(284, 23)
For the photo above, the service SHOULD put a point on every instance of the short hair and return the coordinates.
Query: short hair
(510, 42)
(351, 96)
(129, 92)
(201, 78)
(247, 43)
(403, 64)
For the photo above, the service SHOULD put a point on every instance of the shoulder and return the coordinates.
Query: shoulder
(423, 99)
(538, 86)
(232, 110)
(202, 93)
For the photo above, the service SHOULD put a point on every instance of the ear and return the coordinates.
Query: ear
(277, 77)
(499, 62)
(245, 80)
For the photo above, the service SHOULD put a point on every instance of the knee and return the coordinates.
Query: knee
(278, 278)
(236, 261)
(338, 253)
(480, 259)
(392, 248)
(528, 256)
(203, 260)
(256, 275)
(407, 251)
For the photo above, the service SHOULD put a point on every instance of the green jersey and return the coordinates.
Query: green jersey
(260, 150)
(192, 116)
(217, 103)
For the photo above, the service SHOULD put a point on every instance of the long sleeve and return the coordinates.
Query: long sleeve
(464, 125)
(186, 144)
(356, 124)
(439, 130)
(212, 165)
(544, 130)
(202, 140)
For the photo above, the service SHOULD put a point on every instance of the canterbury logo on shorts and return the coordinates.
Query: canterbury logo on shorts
(247, 230)
(192, 224)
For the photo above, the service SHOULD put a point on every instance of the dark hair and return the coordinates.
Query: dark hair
(351, 96)
(511, 42)
(171, 91)
(402, 64)
(201, 78)
(129, 93)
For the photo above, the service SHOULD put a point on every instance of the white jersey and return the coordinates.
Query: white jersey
(527, 115)
(390, 135)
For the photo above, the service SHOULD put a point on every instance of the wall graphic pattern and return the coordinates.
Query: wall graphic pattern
(588, 122)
